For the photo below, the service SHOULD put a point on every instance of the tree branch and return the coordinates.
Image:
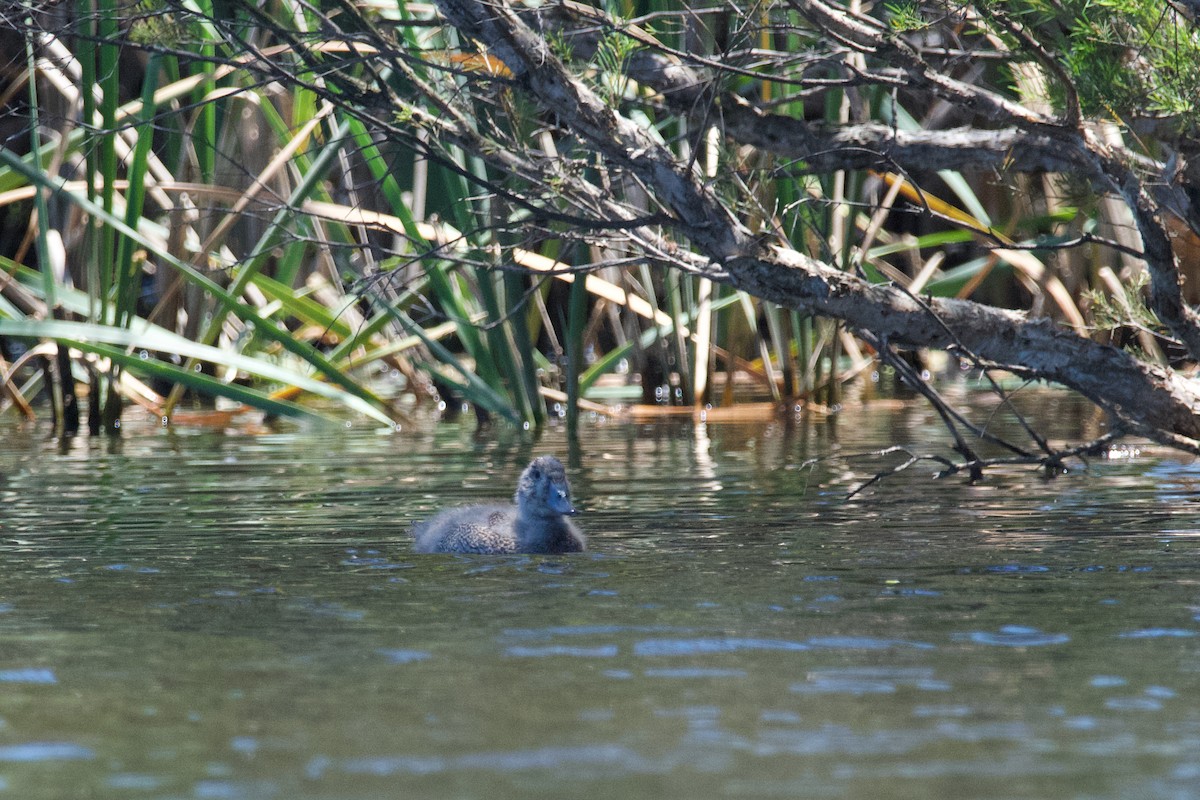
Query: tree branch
(622, 141)
(1152, 400)
(696, 94)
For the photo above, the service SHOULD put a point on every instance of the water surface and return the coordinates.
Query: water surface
(232, 614)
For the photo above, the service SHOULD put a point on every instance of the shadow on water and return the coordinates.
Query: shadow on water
(200, 614)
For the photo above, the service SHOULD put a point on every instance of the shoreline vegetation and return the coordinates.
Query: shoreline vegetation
(275, 203)
(117, 353)
(293, 273)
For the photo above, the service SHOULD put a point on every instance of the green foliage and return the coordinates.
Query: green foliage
(612, 52)
(154, 24)
(1127, 58)
(1110, 313)
(904, 16)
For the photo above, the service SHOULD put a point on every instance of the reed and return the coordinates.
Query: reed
(235, 237)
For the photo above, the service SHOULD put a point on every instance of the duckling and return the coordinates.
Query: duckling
(536, 524)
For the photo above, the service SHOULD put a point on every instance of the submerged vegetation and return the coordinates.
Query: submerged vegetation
(276, 202)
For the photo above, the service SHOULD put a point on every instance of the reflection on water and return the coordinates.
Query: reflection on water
(200, 615)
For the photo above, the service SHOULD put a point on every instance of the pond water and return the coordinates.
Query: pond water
(238, 614)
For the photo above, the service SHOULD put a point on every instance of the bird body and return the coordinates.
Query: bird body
(536, 523)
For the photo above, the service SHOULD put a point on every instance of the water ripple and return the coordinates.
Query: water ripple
(586, 630)
(1017, 569)
(692, 647)
(869, 680)
(133, 781)
(29, 675)
(601, 651)
(1106, 681)
(510, 761)
(709, 646)
(851, 686)
(865, 643)
(403, 656)
(1157, 633)
(694, 672)
(1133, 704)
(46, 751)
(1015, 636)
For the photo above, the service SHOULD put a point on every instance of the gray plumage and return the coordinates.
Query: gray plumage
(537, 522)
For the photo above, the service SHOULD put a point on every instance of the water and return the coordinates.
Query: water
(237, 615)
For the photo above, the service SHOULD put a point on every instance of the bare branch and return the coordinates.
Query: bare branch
(869, 35)
(820, 148)
(709, 223)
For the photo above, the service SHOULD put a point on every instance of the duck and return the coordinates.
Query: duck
(536, 522)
